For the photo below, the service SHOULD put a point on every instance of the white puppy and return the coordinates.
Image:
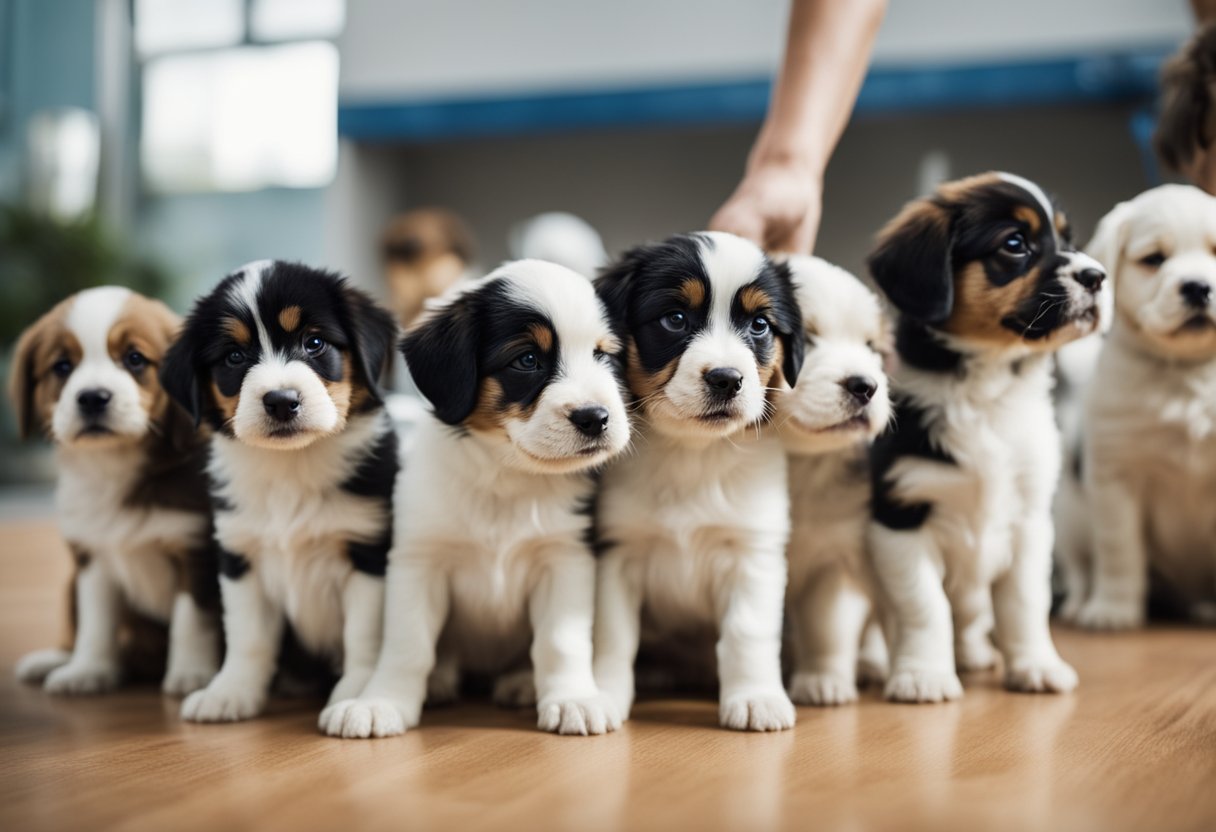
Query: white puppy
(1148, 454)
(826, 423)
(492, 564)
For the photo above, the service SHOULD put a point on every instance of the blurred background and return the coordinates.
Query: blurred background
(161, 143)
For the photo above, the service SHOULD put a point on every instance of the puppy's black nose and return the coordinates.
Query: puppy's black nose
(93, 402)
(861, 388)
(590, 421)
(282, 404)
(724, 382)
(1091, 279)
(1196, 293)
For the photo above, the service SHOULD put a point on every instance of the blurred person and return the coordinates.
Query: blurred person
(1188, 118)
(424, 251)
(778, 203)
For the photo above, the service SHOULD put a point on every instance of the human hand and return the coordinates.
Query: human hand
(776, 206)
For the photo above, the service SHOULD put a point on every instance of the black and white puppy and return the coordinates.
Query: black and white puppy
(491, 567)
(282, 361)
(694, 523)
(987, 283)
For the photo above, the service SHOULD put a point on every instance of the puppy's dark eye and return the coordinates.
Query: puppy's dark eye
(759, 326)
(1153, 260)
(134, 361)
(62, 368)
(235, 358)
(527, 363)
(314, 345)
(674, 321)
(1015, 246)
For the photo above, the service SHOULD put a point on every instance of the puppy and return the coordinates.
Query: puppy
(282, 361)
(694, 523)
(1148, 457)
(132, 496)
(826, 423)
(987, 284)
(492, 566)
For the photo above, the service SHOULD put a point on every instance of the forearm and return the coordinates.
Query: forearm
(827, 51)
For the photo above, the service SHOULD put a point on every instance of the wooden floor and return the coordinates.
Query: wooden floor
(1134, 748)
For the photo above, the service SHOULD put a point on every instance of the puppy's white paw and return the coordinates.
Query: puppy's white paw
(180, 681)
(223, 703)
(1053, 676)
(365, 718)
(443, 685)
(34, 667)
(579, 716)
(757, 712)
(515, 690)
(923, 686)
(1106, 614)
(617, 686)
(822, 689)
(83, 677)
(975, 654)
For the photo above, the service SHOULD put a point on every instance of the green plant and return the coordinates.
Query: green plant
(43, 260)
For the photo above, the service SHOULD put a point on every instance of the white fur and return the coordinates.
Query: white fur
(1149, 437)
(698, 519)
(489, 567)
(826, 432)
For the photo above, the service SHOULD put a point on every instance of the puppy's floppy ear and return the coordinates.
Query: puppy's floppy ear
(911, 262)
(180, 374)
(23, 380)
(1106, 246)
(441, 354)
(615, 284)
(372, 331)
(787, 321)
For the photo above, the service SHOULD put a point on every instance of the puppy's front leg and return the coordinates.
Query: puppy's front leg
(94, 665)
(751, 696)
(1022, 601)
(416, 601)
(252, 627)
(562, 613)
(828, 619)
(618, 623)
(1120, 563)
(194, 647)
(362, 631)
(922, 665)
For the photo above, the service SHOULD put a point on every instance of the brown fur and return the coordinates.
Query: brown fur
(1029, 216)
(491, 415)
(289, 318)
(643, 383)
(754, 300)
(33, 387)
(237, 331)
(425, 252)
(1187, 124)
(342, 392)
(980, 306)
(693, 292)
(542, 336)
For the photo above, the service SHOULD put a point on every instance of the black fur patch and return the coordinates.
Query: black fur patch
(375, 478)
(232, 565)
(917, 346)
(906, 436)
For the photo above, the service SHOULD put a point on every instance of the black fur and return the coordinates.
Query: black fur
(907, 435)
(375, 477)
(232, 565)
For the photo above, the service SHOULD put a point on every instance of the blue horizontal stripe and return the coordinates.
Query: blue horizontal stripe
(1123, 76)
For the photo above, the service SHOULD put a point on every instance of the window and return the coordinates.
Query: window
(238, 94)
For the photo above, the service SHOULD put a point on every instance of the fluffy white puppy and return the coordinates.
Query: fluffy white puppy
(1148, 451)
(826, 423)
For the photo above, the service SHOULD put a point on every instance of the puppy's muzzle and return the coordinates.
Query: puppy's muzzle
(282, 405)
(93, 403)
(591, 420)
(723, 383)
(1197, 294)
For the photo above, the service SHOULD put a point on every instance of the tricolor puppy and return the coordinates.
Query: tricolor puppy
(827, 422)
(132, 495)
(282, 361)
(694, 522)
(987, 284)
(491, 569)
(1149, 440)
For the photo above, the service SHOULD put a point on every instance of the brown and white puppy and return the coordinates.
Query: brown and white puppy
(827, 422)
(987, 284)
(131, 500)
(283, 362)
(693, 524)
(425, 252)
(1148, 442)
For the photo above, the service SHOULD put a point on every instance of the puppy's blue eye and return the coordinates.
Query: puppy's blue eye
(62, 368)
(235, 358)
(134, 361)
(528, 362)
(1015, 245)
(675, 321)
(314, 345)
(759, 326)
(1153, 260)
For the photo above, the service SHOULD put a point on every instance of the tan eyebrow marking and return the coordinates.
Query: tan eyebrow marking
(542, 336)
(1029, 216)
(753, 299)
(237, 331)
(289, 318)
(693, 291)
